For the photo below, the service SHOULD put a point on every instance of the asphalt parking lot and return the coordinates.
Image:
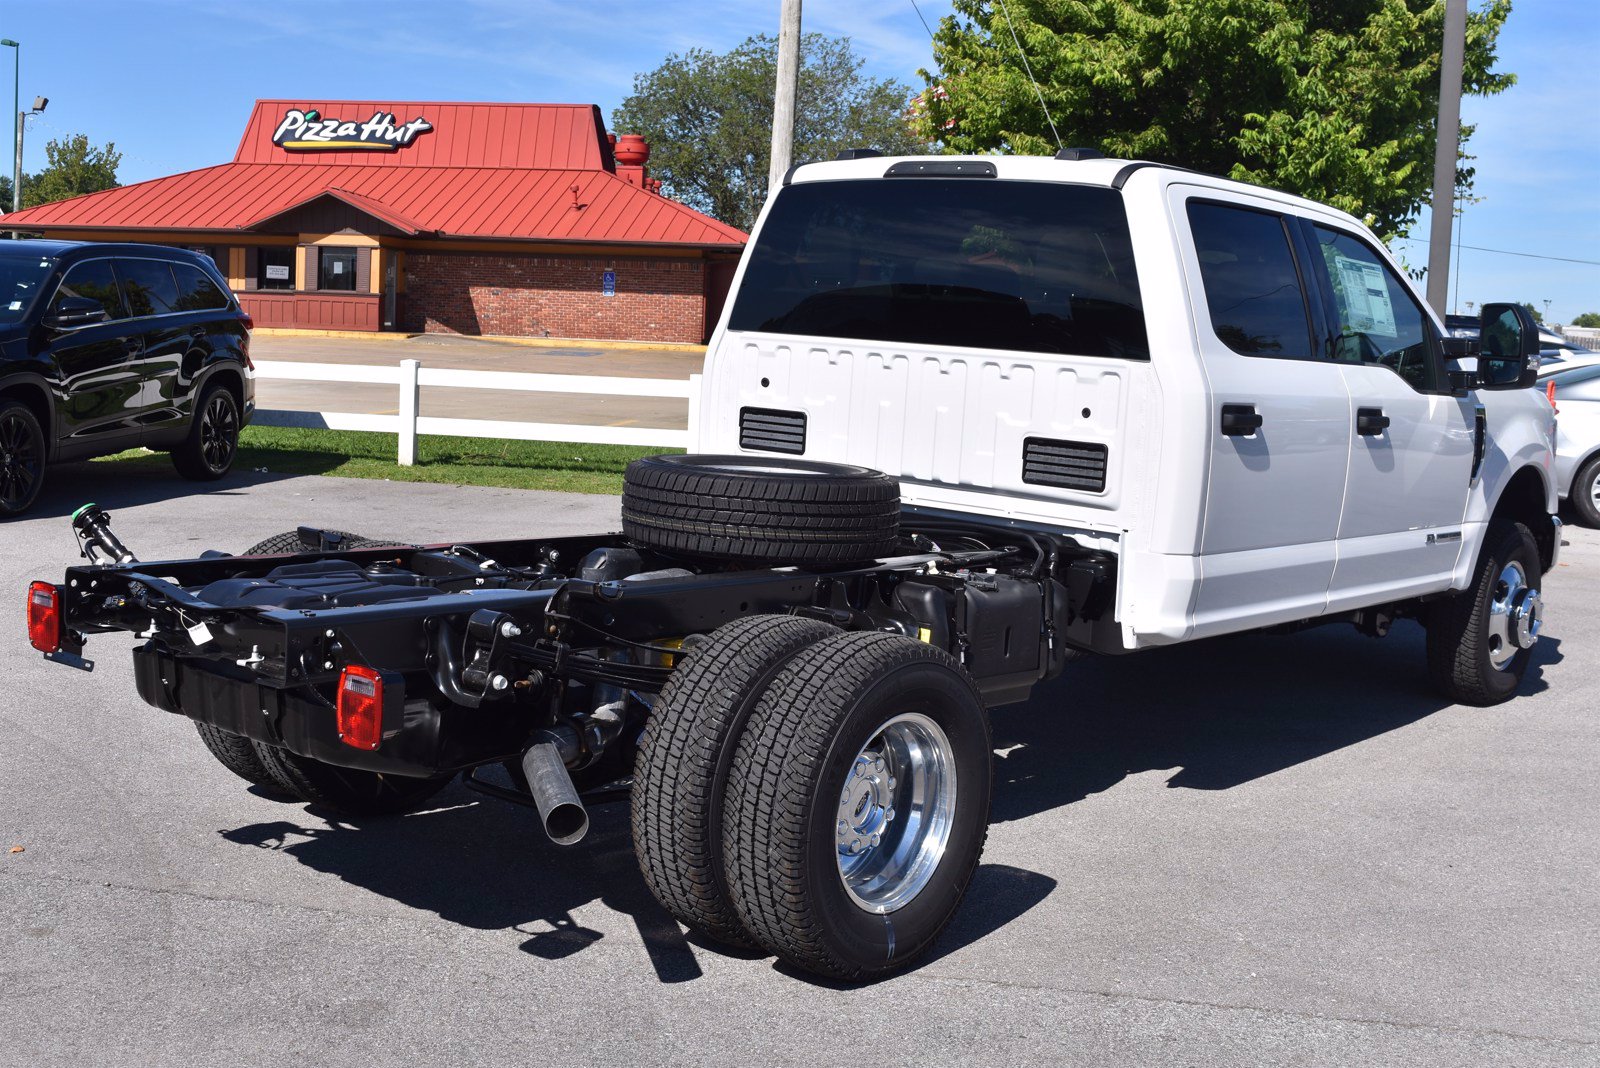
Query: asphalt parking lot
(1260, 850)
(480, 354)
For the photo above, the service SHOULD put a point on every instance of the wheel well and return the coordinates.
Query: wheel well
(231, 381)
(1523, 501)
(38, 402)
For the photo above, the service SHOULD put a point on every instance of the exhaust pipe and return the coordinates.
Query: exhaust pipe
(566, 821)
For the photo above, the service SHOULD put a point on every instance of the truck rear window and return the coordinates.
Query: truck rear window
(1026, 266)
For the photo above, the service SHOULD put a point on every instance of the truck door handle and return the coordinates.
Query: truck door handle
(1371, 421)
(1240, 420)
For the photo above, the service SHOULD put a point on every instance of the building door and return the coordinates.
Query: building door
(391, 286)
(1279, 422)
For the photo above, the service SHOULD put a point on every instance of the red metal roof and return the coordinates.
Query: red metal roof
(508, 171)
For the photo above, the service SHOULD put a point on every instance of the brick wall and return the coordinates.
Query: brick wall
(554, 296)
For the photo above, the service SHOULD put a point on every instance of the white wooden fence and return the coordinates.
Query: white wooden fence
(410, 376)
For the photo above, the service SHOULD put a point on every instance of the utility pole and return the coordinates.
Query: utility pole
(783, 101)
(1446, 148)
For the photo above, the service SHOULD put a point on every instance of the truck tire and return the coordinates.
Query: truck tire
(1585, 493)
(681, 771)
(238, 754)
(346, 791)
(1480, 639)
(208, 452)
(858, 804)
(760, 509)
(290, 542)
(22, 458)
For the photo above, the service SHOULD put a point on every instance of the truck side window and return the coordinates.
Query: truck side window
(1253, 290)
(1375, 318)
(95, 280)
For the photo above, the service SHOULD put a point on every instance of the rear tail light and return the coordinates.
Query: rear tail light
(44, 617)
(244, 318)
(360, 707)
(1550, 395)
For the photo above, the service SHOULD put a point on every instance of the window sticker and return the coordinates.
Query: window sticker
(1366, 297)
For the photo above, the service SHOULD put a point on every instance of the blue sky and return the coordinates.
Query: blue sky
(171, 83)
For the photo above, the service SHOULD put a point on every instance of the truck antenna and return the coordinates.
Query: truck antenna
(1026, 67)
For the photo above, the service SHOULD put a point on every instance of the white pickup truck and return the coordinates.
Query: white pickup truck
(966, 420)
(1233, 392)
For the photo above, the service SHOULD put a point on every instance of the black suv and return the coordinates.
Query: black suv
(106, 347)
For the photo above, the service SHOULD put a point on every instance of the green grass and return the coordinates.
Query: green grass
(544, 465)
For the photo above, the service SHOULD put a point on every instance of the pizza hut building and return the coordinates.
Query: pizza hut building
(509, 219)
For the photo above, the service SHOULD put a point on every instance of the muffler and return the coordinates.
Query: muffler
(566, 821)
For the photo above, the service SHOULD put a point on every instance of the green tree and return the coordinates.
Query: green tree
(73, 167)
(1336, 100)
(1538, 316)
(708, 119)
(1587, 319)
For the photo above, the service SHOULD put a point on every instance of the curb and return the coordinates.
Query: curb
(353, 335)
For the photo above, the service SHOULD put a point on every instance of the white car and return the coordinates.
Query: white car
(1577, 466)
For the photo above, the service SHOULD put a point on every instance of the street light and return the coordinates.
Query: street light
(39, 104)
(16, 131)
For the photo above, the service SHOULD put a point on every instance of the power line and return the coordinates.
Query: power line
(1025, 66)
(1508, 252)
(925, 25)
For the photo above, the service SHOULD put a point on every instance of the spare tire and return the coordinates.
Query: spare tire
(760, 509)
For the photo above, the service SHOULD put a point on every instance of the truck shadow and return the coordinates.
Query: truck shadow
(1221, 712)
(487, 865)
(128, 483)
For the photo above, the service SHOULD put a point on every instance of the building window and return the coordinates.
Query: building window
(337, 269)
(277, 268)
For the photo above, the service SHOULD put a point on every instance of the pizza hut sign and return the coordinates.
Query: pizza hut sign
(308, 131)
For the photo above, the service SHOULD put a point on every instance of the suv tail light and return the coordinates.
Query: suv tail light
(1550, 395)
(249, 323)
(44, 617)
(360, 707)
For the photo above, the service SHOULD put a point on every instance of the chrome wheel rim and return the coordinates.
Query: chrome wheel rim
(219, 433)
(896, 812)
(21, 460)
(1594, 491)
(1516, 616)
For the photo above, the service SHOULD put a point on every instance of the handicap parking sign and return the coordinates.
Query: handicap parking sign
(608, 284)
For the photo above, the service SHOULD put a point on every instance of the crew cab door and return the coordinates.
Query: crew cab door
(1412, 450)
(1279, 421)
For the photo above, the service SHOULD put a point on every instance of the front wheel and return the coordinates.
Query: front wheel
(1480, 639)
(22, 456)
(857, 805)
(208, 452)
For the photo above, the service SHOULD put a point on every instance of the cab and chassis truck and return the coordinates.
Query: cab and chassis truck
(965, 420)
